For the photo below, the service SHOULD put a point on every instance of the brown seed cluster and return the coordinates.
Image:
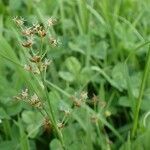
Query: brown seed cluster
(19, 21)
(35, 59)
(37, 66)
(27, 32)
(60, 125)
(33, 100)
(66, 112)
(47, 125)
(53, 41)
(80, 99)
(42, 33)
(51, 21)
(36, 30)
(35, 36)
(28, 43)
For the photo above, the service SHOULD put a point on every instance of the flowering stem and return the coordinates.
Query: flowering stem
(52, 117)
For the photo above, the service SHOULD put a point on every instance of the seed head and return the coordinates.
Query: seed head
(34, 97)
(51, 21)
(19, 21)
(36, 27)
(24, 94)
(27, 67)
(47, 124)
(28, 43)
(42, 33)
(45, 64)
(76, 102)
(35, 59)
(36, 70)
(53, 41)
(28, 32)
(66, 112)
(60, 125)
(83, 95)
(34, 101)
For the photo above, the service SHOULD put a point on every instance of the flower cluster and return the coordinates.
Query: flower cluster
(37, 34)
(33, 100)
(36, 65)
(78, 100)
(47, 125)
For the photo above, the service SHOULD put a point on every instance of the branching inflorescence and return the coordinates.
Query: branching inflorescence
(35, 37)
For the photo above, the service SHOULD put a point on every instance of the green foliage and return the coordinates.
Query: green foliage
(103, 50)
(33, 121)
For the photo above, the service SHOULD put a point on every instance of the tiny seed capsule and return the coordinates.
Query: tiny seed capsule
(27, 44)
(35, 59)
(42, 33)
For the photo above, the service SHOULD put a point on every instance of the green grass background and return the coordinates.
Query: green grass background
(104, 50)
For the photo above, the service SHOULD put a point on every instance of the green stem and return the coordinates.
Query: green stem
(41, 47)
(52, 117)
(139, 100)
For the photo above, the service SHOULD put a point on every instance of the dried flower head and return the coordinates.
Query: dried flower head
(36, 70)
(51, 21)
(24, 94)
(83, 95)
(36, 27)
(42, 33)
(47, 125)
(28, 43)
(35, 59)
(27, 67)
(53, 41)
(76, 102)
(45, 64)
(19, 21)
(34, 97)
(60, 125)
(66, 112)
(27, 32)
(34, 101)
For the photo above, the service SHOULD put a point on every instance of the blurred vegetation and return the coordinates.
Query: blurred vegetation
(104, 51)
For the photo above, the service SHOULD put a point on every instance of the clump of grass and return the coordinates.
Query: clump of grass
(103, 55)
